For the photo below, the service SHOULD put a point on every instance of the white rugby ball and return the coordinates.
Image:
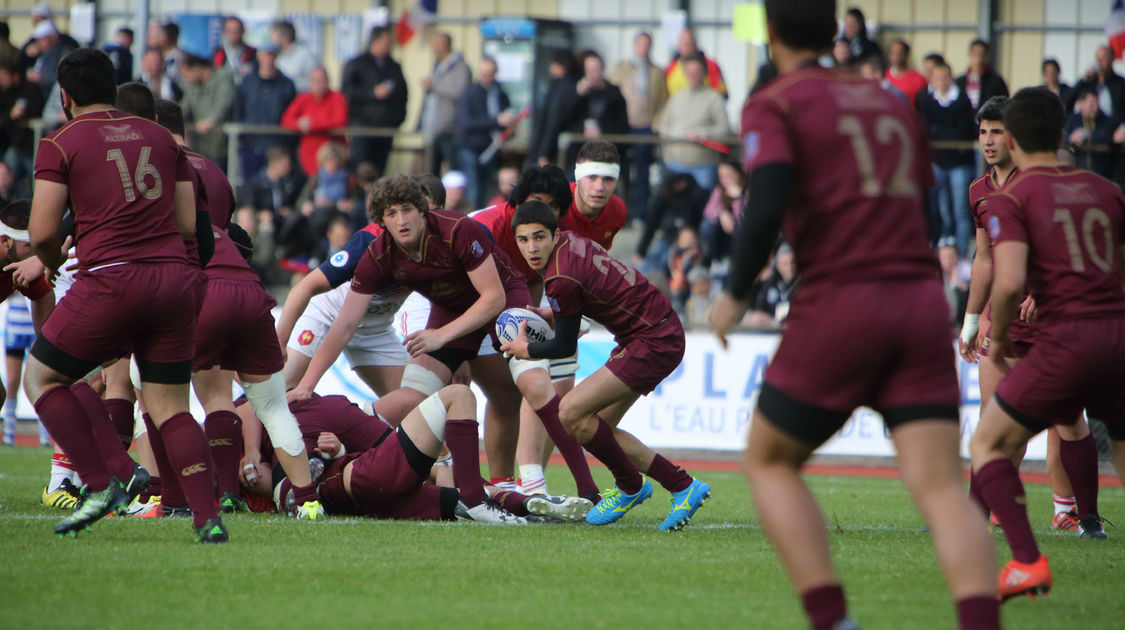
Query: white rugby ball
(508, 326)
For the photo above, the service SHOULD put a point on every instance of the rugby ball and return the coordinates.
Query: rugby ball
(508, 326)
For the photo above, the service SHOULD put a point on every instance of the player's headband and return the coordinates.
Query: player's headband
(14, 234)
(604, 169)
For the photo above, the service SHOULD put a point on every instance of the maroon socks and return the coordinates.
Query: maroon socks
(224, 436)
(978, 613)
(604, 446)
(1000, 485)
(824, 605)
(171, 493)
(186, 446)
(667, 474)
(116, 457)
(121, 413)
(1080, 461)
(569, 447)
(512, 501)
(67, 422)
(463, 443)
(974, 493)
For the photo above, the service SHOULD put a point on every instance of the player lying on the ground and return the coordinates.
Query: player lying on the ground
(1060, 232)
(975, 338)
(449, 259)
(580, 278)
(380, 471)
(842, 168)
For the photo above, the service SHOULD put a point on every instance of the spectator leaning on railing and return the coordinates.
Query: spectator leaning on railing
(444, 86)
(675, 75)
(645, 91)
(263, 97)
(601, 107)
(695, 113)
(1090, 126)
(376, 91)
(723, 211)
(981, 82)
(157, 80)
(1109, 86)
(908, 80)
(556, 112)
(208, 103)
(481, 112)
(313, 114)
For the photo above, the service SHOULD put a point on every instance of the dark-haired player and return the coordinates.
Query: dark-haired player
(1059, 232)
(580, 278)
(974, 339)
(129, 186)
(842, 167)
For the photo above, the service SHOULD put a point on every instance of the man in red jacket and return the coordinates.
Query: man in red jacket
(314, 114)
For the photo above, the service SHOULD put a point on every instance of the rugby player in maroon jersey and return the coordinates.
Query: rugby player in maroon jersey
(1058, 233)
(842, 168)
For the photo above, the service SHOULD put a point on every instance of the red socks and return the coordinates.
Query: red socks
(224, 436)
(116, 457)
(569, 447)
(1003, 492)
(1080, 461)
(186, 445)
(604, 446)
(67, 422)
(978, 613)
(171, 493)
(669, 475)
(462, 441)
(824, 605)
(121, 413)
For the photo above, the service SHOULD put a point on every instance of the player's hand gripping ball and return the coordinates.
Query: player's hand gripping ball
(508, 326)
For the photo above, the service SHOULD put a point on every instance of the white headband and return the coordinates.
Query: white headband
(14, 234)
(605, 169)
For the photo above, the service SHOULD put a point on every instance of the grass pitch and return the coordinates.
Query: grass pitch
(718, 573)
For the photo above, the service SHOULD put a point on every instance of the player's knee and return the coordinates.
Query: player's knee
(421, 379)
(458, 400)
(569, 414)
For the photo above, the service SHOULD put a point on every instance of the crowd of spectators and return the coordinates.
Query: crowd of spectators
(303, 189)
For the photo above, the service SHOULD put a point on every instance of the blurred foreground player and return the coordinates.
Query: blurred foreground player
(858, 229)
(129, 187)
(580, 278)
(1059, 232)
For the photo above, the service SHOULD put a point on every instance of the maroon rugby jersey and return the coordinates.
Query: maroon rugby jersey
(861, 163)
(979, 190)
(220, 195)
(1073, 222)
(121, 171)
(581, 278)
(356, 430)
(215, 196)
(452, 245)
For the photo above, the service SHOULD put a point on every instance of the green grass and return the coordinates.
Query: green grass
(719, 573)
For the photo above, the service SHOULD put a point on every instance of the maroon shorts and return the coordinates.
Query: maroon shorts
(236, 331)
(644, 361)
(199, 289)
(387, 481)
(1072, 366)
(517, 297)
(135, 307)
(1021, 333)
(884, 345)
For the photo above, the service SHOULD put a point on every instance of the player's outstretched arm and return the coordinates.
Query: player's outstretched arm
(185, 209)
(980, 285)
(355, 305)
(48, 205)
(486, 280)
(311, 285)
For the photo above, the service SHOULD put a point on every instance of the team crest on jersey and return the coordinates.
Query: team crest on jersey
(306, 338)
(339, 259)
(993, 227)
(554, 304)
(477, 250)
(751, 144)
(119, 133)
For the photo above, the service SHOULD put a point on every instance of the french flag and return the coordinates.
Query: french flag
(1115, 28)
(414, 19)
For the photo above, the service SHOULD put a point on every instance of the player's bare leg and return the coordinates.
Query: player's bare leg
(296, 364)
(994, 442)
(501, 418)
(1117, 450)
(529, 452)
(382, 379)
(400, 402)
(930, 464)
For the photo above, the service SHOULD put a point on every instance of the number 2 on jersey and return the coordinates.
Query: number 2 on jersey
(143, 169)
(887, 130)
(628, 273)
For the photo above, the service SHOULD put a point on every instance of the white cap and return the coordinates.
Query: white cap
(43, 29)
(454, 179)
(41, 9)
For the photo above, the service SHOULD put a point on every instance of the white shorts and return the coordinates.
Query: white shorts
(376, 347)
(414, 314)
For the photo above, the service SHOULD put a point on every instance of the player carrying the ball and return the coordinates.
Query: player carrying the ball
(581, 278)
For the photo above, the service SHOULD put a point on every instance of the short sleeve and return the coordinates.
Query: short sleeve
(37, 289)
(471, 244)
(50, 162)
(564, 295)
(493, 221)
(1003, 219)
(765, 139)
(341, 266)
(370, 275)
(185, 172)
